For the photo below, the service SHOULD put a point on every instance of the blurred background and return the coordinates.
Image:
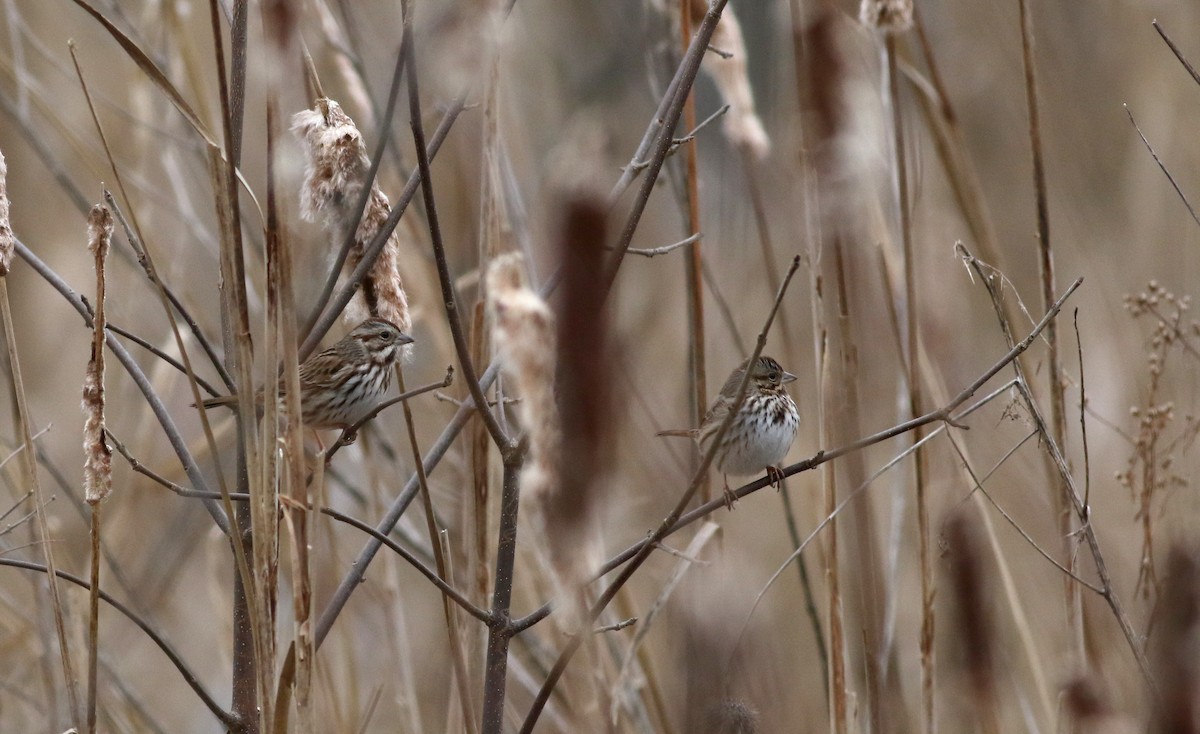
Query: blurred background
(573, 76)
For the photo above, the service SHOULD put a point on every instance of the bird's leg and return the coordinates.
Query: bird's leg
(730, 497)
(775, 476)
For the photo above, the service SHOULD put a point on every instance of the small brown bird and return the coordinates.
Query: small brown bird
(342, 383)
(763, 430)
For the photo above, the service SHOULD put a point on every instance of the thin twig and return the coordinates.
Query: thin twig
(1003, 513)
(1175, 50)
(1069, 489)
(655, 251)
(616, 627)
(1162, 166)
(659, 134)
(143, 259)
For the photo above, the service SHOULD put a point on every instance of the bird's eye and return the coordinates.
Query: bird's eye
(773, 376)
(387, 336)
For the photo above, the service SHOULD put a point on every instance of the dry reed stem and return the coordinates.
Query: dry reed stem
(97, 468)
(1058, 417)
(286, 477)
(891, 17)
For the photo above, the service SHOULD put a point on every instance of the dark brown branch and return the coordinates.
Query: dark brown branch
(500, 631)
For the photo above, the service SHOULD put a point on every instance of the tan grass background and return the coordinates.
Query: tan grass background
(566, 65)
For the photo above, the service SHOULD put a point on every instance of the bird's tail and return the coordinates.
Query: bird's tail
(679, 432)
(227, 401)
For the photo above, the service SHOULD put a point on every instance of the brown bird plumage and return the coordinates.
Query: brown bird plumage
(342, 382)
(763, 430)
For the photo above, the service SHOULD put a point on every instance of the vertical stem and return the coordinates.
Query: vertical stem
(500, 630)
(245, 696)
(1058, 425)
(93, 620)
(915, 400)
(693, 258)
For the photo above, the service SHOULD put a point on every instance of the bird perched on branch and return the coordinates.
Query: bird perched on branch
(342, 382)
(763, 429)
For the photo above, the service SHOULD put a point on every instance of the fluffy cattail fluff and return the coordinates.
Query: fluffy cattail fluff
(7, 240)
(97, 466)
(524, 340)
(743, 126)
(336, 170)
(887, 16)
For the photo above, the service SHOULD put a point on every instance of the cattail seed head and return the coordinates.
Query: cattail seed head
(731, 73)
(887, 16)
(336, 171)
(7, 239)
(525, 341)
(97, 466)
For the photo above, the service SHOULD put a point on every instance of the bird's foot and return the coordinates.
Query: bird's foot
(730, 497)
(775, 477)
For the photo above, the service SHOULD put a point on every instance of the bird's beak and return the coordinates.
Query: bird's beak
(788, 377)
(406, 339)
